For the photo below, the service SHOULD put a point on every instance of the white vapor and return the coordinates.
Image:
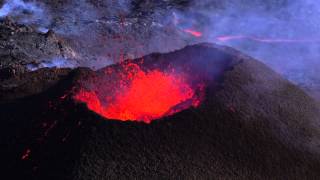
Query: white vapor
(17, 6)
(30, 12)
(56, 62)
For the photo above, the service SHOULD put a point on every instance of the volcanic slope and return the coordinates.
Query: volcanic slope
(252, 124)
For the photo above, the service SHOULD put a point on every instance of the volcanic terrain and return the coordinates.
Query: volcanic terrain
(251, 123)
(127, 89)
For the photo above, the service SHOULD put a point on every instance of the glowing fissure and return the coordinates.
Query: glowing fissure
(193, 32)
(142, 95)
(227, 38)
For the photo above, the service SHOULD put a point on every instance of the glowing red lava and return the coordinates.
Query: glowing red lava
(193, 32)
(142, 96)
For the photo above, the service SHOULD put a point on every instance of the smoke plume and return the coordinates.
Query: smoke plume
(25, 12)
(283, 34)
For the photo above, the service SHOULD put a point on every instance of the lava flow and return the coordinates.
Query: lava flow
(193, 32)
(141, 95)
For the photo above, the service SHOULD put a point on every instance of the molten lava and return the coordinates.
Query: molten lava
(142, 95)
(193, 32)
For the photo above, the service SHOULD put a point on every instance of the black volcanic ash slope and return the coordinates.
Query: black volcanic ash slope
(253, 124)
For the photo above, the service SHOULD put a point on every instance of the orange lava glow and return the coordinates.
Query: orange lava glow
(193, 32)
(142, 96)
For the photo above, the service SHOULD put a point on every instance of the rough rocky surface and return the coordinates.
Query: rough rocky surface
(98, 33)
(22, 46)
(253, 124)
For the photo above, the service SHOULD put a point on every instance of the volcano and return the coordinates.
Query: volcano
(223, 115)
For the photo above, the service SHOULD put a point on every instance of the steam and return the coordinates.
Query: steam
(283, 34)
(25, 12)
(17, 6)
(56, 62)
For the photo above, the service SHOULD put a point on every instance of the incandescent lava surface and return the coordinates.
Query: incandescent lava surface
(141, 95)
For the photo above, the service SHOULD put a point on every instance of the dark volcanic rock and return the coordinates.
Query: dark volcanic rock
(253, 124)
(22, 45)
(31, 83)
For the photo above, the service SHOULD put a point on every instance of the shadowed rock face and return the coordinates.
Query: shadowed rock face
(23, 85)
(253, 124)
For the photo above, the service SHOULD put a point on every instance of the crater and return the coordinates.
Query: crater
(154, 86)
